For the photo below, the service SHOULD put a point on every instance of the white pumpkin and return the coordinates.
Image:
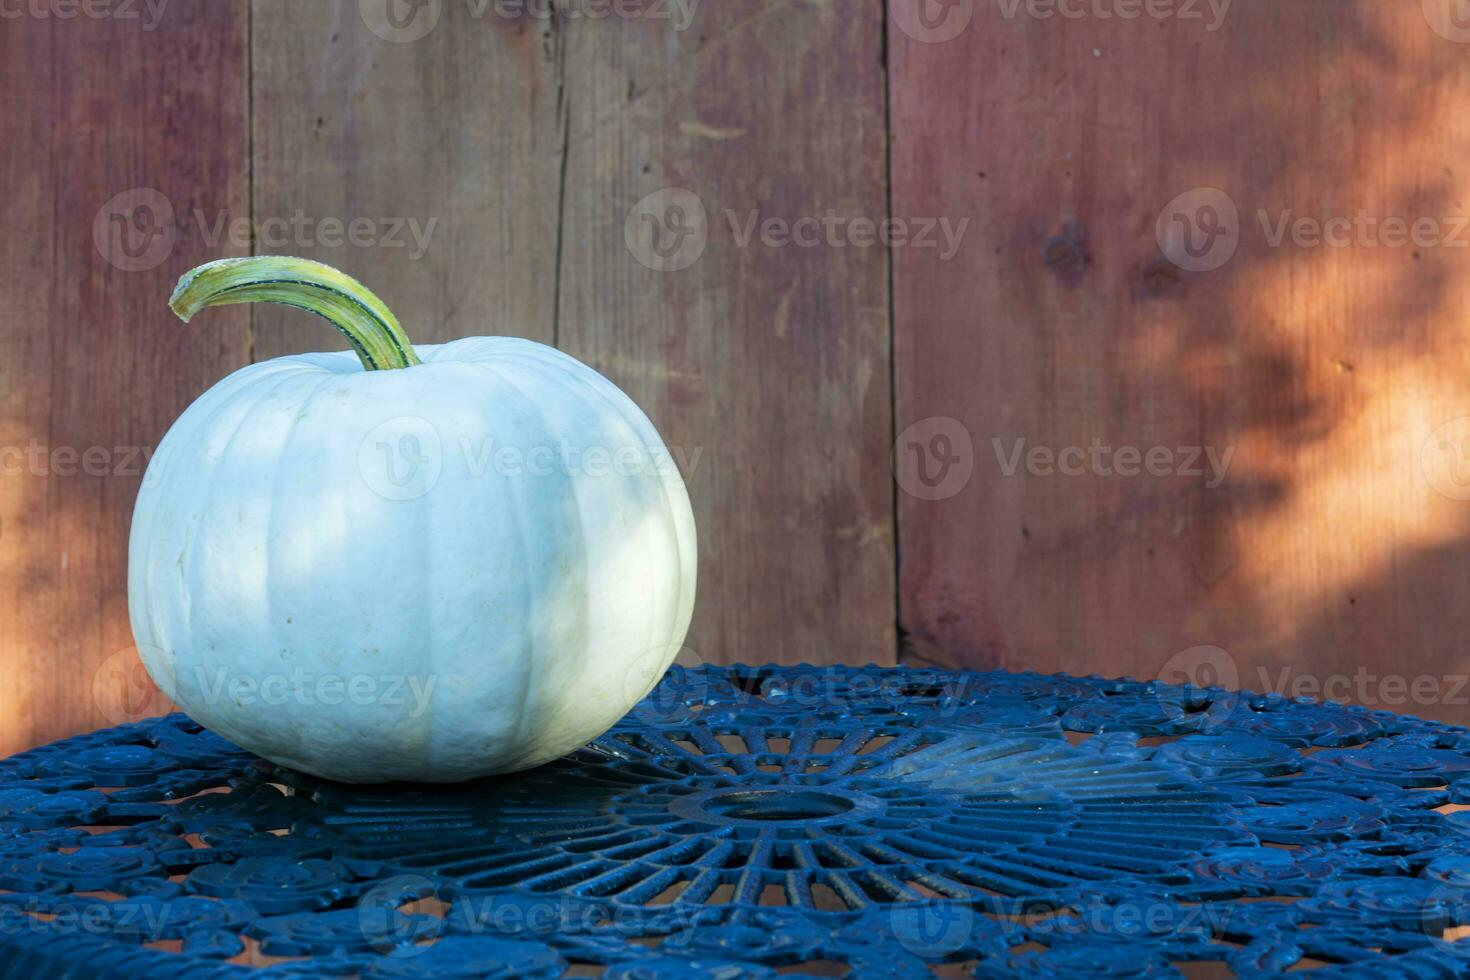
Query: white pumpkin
(402, 563)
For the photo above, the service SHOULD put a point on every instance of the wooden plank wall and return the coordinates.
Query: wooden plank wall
(1335, 550)
(498, 158)
(629, 187)
(115, 131)
(769, 361)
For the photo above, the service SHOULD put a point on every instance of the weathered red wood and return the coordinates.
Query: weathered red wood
(119, 123)
(1327, 372)
(442, 150)
(763, 360)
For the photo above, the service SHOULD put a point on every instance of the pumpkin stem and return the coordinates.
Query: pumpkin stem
(347, 304)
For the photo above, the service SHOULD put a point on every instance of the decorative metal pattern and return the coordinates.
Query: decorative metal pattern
(756, 822)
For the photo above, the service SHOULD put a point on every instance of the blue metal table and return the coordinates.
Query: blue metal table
(765, 821)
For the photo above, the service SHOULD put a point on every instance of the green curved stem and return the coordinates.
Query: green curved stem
(347, 304)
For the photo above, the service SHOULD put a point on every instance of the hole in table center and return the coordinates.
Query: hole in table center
(777, 804)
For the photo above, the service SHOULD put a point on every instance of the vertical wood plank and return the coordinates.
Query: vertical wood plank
(766, 365)
(1335, 546)
(440, 138)
(117, 128)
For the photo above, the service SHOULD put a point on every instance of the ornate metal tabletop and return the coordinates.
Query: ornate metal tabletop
(755, 822)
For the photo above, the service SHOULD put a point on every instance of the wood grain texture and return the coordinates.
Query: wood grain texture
(765, 364)
(444, 150)
(1327, 551)
(125, 125)
(513, 173)
(531, 138)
